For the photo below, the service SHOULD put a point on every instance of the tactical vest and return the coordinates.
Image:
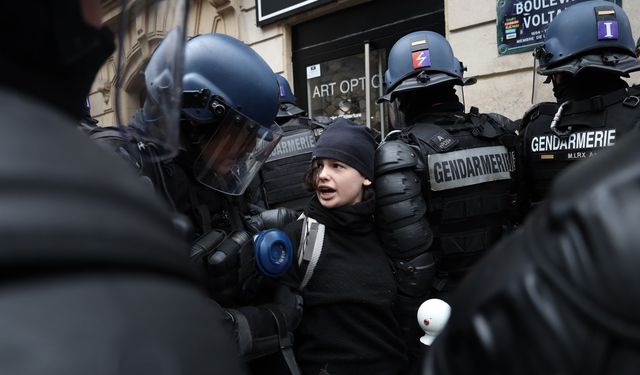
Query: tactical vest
(283, 172)
(581, 130)
(467, 184)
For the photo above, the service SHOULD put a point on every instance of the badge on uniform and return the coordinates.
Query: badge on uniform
(607, 23)
(420, 55)
(442, 141)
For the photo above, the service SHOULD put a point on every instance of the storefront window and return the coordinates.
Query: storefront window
(337, 88)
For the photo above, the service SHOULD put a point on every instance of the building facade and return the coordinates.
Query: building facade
(333, 52)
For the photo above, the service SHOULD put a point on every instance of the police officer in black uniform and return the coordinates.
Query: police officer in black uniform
(226, 134)
(587, 48)
(282, 174)
(444, 186)
(95, 278)
(560, 295)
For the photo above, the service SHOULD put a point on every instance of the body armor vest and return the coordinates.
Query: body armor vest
(564, 281)
(581, 130)
(467, 185)
(283, 172)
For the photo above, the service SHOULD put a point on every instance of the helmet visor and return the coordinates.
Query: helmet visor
(161, 93)
(230, 158)
(541, 86)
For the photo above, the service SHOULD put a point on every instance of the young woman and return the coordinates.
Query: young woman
(342, 271)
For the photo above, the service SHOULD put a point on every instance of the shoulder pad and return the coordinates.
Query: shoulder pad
(503, 121)
(529, 115)
(394, 155)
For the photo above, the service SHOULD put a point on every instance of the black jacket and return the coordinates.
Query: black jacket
(95, 278)
(348, 326)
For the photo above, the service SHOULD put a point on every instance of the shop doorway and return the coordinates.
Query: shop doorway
(339, 64)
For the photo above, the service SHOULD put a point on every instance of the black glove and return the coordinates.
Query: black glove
(257, 328)
(290, 304)
(274, 218)
(229, 264)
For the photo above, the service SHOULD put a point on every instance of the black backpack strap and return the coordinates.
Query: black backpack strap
(629, 96)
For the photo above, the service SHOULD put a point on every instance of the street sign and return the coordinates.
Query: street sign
(522, 23)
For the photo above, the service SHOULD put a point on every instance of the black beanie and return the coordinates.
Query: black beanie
(349, 143)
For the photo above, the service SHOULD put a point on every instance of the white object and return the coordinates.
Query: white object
(313, 71)
(432, 316)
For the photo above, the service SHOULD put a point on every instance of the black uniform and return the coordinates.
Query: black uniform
(466, 166)
(560, 295)
(445, 189)
(217, 225)
(583, 128)
(95, 275)
(282, 173)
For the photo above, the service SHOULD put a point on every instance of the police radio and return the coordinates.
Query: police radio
(273, 252)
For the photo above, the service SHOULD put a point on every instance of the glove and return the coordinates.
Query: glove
(274, 218)
(290, 304)
(229, 265)
(256, 328)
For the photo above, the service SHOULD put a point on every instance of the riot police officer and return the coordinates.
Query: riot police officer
(559, 296)
(95, 276)
(587, 48)
(225, 135)
(282, 173)
(443, 181)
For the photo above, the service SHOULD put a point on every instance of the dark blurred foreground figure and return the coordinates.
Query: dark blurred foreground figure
(587, 49)
(444, 188)
(560, 295)
(96, 279)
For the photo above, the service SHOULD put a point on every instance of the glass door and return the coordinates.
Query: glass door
(349, 87)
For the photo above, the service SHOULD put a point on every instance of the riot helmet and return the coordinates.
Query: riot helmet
(158, 127)
(422, 59)
(288, 102)
(230, 100)
(592, 35)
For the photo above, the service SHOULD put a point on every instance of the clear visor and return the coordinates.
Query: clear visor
(158, 24)
(231, 157)
(541, 86)
(396, 117)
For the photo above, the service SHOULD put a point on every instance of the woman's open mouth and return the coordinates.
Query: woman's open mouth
(326, 192)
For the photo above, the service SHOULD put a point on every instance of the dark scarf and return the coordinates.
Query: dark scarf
(357, 218)
(416, 106)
